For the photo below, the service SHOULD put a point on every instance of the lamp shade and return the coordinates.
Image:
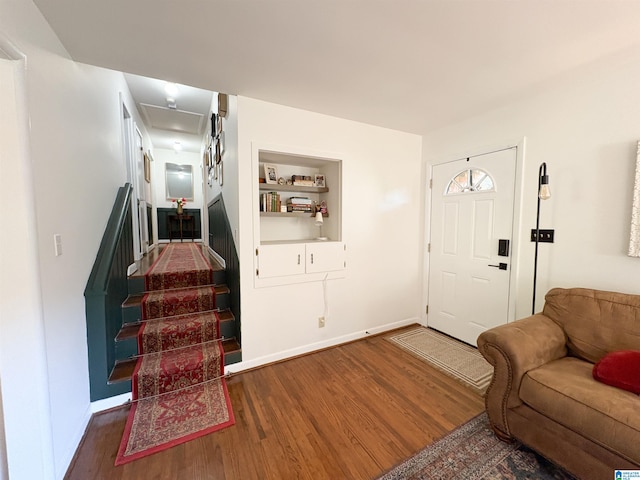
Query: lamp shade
(319, 219)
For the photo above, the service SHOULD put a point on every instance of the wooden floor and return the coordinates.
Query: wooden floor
(349, 412)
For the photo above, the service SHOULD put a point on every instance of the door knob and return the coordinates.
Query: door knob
(501, 266)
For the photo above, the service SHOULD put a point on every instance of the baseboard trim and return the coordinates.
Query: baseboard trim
(215, 255)
(314, 347)
(108, 403)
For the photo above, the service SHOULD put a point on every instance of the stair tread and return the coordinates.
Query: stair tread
(136, 299)
(226, 315)
(230, 345)
(130, 330)
(123, 370)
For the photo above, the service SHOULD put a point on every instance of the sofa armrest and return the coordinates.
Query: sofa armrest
(513, 349)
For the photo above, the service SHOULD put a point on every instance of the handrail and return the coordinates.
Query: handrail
(99, 277)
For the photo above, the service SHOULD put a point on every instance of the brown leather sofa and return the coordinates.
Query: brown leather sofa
(543, 392)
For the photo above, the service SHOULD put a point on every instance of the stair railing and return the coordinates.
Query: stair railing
(105, 291)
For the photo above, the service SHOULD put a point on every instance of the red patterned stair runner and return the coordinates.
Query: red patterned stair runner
(178, 387)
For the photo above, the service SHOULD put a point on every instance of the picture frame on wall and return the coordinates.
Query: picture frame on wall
(270, 173)
(214, 127)
(223, 104)
(218, 156)
(147, 168)
(207, 158)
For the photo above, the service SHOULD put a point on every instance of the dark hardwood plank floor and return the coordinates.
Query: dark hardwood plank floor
(348, 412)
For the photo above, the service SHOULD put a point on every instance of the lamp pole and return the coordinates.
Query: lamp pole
(543, 194)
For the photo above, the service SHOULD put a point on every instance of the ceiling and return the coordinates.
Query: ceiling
(410, 65)
(185, 121)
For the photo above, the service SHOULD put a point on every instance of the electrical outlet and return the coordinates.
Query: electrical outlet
(320, 322)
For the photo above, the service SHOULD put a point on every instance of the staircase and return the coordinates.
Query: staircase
(126, 345)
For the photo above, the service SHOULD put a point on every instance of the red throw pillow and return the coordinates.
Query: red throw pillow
(620, 369)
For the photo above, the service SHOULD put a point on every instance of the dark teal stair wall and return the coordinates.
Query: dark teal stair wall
(222, 242)
(105, 291)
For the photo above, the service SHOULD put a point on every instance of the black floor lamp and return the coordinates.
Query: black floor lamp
(543, 194)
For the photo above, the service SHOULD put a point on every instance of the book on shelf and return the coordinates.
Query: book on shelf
(300, 200)
(270, 202)
(300, 208)
(304, 183)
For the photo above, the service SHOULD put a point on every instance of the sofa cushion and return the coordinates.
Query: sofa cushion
(596, 322)
(620, 370)
(564, 391)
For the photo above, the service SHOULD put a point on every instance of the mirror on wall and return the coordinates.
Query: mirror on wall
(179, 180)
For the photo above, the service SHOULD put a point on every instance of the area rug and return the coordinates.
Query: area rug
(158, 423)
(473, 452)
(179, 265)
(178, 388)
(168, 303)
(456, 359)
(178, 331)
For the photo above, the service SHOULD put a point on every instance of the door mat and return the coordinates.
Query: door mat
(450, 356)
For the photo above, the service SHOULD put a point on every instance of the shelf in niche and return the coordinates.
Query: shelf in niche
(275, 187)
(290, 214)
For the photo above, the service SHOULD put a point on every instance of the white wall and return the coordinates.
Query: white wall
(585, 125)
(76, 164)
(229, 188)
(382, 198)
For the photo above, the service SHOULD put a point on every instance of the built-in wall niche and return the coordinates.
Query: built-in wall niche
(290, 245)
(315, 180)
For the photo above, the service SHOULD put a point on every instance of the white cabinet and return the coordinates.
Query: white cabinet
(281, 260)
(290, 259)
(325, 257)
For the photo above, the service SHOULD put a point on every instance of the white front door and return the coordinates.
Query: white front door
(471, 213)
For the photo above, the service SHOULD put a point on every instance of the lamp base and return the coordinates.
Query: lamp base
(321, 239)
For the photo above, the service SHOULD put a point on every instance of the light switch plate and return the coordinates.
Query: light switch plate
(57, 244)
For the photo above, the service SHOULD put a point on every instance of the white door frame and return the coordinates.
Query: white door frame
(518, 238)
(26, 436)
(128, 146)
(143, 231)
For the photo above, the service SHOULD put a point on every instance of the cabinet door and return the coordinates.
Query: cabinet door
(325, 257)
(280, 260)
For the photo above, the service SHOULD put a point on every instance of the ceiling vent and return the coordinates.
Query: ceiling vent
(173, 119)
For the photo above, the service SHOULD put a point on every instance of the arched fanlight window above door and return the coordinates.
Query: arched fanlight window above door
(470, 180)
